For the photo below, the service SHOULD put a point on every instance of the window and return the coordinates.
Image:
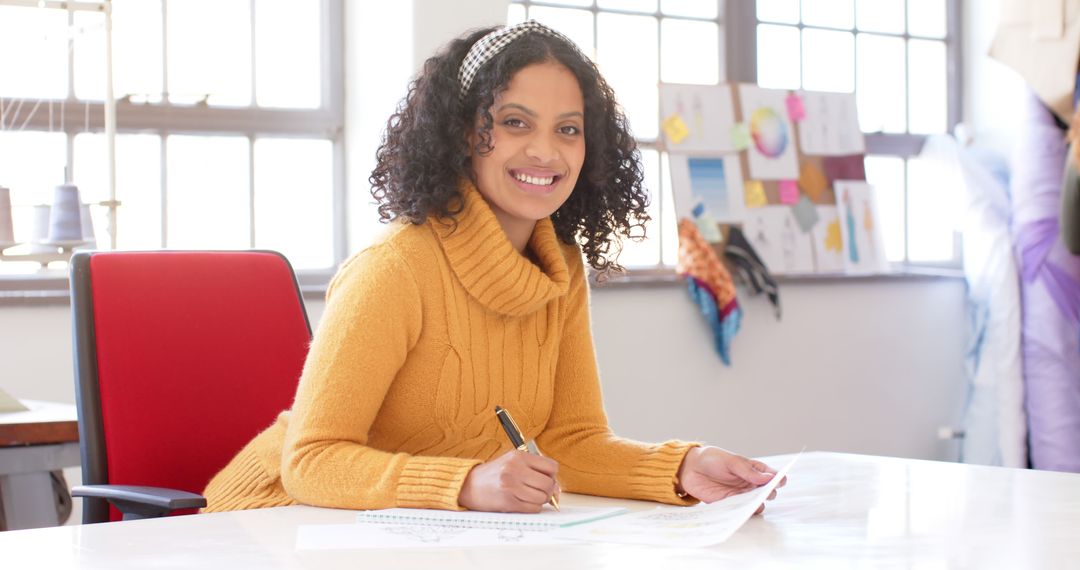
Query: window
(899, 57)
(636, 44)
(229, 118)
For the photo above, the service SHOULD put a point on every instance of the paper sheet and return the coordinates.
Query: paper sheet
(697, 526)
(715, 182)
(9, 404)
(772, 155)
(705, 115)
(831, 125)
(864, 246)
(828, 241)
(365, 536)
(775, 234)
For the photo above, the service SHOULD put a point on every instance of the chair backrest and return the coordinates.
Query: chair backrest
(181, 357)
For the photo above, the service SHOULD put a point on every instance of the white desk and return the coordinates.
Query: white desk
(837, 511)
(32, 443)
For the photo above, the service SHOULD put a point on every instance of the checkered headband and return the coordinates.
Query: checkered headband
(490, 45)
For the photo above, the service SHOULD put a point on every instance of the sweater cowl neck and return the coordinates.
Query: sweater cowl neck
(490, 269)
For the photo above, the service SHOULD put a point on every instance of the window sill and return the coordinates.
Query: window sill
(52, 289)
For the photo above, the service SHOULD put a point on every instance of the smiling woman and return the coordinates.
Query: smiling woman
(507, 163)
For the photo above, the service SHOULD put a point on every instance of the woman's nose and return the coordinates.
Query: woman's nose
(542, 149)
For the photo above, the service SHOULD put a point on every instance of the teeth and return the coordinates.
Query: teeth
(534, 180)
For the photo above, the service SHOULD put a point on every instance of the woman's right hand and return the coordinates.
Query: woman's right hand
(515, 482)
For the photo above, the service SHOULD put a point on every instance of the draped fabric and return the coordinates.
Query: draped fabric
(1050, 293)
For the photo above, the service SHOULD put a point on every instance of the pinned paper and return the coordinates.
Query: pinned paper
(812, 180)
(796, 109)
(844, 168)
(754, 192)
(740, 136)
(806, 214)
(789, 192)
(675, 128)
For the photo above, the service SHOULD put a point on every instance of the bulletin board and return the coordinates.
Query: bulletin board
(785, 166)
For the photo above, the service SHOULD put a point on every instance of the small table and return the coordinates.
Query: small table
(33, 443)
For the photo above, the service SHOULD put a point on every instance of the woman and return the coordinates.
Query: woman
(506, 163)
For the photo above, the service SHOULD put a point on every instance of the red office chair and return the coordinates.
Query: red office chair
(181, 358)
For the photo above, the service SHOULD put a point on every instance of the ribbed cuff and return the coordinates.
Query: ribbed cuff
(653, 477)
(433, 482)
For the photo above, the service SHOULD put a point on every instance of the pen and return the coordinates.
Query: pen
(518, 441)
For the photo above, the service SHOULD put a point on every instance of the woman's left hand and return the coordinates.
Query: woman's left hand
(710, 474)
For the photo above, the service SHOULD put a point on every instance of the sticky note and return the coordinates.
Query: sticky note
(806, 214)
(754, 193)
(675, 129)
(789, 192)
(812, 180)
(740, 136)
(833, 240)
(796, 110)
(849, 167)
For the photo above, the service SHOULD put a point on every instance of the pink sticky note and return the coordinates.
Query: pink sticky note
(796, 110)
(789, 192)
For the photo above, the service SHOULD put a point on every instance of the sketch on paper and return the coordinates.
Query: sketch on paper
(864, 248)
(715, 182)
(830, 126)
(701, 115)
(772, 155)
(775, 234)
(828, 241)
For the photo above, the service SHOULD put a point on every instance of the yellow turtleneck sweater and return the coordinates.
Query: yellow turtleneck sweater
(424, 333)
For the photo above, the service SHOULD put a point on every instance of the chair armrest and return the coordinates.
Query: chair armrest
(137, 502)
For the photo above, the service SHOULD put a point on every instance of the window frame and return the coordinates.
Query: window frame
(326, 122)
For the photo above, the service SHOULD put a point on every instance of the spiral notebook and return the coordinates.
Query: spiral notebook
(547, 519)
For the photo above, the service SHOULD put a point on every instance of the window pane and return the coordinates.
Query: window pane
(207, 192)
(571, 2)
(880, 85)
(294, 200)
(778, 57)
(138, 187)
(137, 53)
(932, 213)
(689, 52)
(669, 224)
(886, 175)
(780, 11)
(828, 61)
(628, 60)
(880, 16)
(287, 59)
(629, 5)
(39, 37)
(574, 24)
(828, 13)
(692, 8)
(210, 51)
(33, 163)
(515, 14)
(646, 253)
(928, 92)
(926, 18)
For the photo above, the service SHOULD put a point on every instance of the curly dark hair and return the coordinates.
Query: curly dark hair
(425, 150)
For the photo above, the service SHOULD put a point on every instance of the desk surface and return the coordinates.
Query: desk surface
(837, 511)
(42, 423)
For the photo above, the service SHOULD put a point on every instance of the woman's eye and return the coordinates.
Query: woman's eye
(514, 123)
(570, 130)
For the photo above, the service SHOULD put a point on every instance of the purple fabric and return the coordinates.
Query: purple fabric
(1050, 293)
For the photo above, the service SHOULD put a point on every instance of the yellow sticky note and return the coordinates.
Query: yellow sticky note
(833, 240)
(754, 192)
(675, 128)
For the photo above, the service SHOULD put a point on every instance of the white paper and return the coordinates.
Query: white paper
(365, 536)
(697, 526)
(864, 247)
(716, 182)
(547, 518)
(831, 125)
(828, 241)
(776, 237)
(9, 404)
(771, 153)
(708, 113)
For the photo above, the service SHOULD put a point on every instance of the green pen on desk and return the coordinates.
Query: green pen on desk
(518, 441)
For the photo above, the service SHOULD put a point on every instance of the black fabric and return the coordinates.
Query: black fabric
(747, 267)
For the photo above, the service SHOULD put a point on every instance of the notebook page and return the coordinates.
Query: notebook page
(548, 518)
